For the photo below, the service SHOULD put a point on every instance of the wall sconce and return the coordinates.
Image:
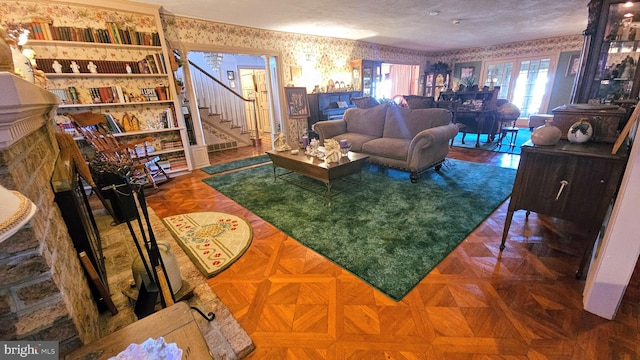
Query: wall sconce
(15, 212)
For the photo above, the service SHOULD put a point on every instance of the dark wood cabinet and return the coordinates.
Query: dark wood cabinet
(476, 110)
(608, 70)
(573, 182)
(366, 75)
(435, 82)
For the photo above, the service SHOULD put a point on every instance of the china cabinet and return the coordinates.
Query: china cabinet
(112, 60)
(610, 54)
(366, 76)
(436, 80)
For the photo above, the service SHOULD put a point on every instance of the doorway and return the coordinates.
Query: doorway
(525, 82)
(254, 86)
(398, 79)
(251, 76)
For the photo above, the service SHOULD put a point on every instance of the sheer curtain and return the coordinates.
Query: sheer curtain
(401, 78)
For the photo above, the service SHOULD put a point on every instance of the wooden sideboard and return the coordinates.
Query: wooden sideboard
(569, 181)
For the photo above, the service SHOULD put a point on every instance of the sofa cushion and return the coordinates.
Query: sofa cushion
(366, 121)
(356, 140)
(405, 123)
(364, 102)
(394, 148)
(419, 102)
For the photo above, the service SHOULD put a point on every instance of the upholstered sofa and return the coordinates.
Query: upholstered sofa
(411, 140)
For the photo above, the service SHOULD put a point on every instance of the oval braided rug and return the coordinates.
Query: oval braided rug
(213, 240)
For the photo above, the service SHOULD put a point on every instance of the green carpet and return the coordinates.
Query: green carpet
(232, 165)
(524, 134)
(388, 231)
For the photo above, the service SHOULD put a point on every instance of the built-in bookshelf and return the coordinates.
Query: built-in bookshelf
(113, 60)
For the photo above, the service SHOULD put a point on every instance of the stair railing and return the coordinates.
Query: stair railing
(220, 99)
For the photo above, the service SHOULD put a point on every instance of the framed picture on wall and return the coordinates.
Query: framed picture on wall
(231, 75)
(573, 65)
(466, 72)
(297, 104)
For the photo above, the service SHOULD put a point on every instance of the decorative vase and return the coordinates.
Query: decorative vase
(580, 132)
(546, 134)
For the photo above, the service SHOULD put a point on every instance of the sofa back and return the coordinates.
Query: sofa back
(405, 123)
(368, 121)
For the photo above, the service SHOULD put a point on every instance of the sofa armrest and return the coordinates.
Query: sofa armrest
(329, 129)
(434, 135)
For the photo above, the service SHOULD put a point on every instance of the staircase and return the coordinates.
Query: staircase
(225, 114)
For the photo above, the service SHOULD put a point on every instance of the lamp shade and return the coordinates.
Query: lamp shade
(15, 212)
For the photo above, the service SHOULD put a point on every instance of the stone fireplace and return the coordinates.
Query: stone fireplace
(44, 294)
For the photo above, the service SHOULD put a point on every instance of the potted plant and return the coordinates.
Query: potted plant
(468, 81)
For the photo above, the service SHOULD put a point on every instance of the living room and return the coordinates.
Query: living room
(296, 303)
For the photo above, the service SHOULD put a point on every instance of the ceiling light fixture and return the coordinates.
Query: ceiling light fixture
(434, 13)
(628, 4)
(628, 15)
(456, 21)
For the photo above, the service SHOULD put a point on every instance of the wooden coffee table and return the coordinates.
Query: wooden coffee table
(312, 167)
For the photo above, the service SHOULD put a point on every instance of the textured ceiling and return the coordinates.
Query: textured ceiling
(401, 23)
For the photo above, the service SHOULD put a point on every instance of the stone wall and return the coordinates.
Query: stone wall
(44, 294)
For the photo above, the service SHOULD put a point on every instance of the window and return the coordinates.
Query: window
(524, 82)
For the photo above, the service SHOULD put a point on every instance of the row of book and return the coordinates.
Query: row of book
(111, 34)
(150, 64)
(177, 163)
(112, 95)
(168, 144)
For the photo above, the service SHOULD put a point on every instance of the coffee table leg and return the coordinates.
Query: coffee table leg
(274, 173)
(329, 192)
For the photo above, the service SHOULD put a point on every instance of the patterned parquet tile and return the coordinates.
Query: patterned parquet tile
(477, 304)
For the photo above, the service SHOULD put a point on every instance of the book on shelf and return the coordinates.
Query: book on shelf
(112, 33)
(62, 94)
(107, 95)
(112, 124)
(151, 63)
(149, 94)
(73, 95)
(178, 162)
(168, 118)
(170, 143)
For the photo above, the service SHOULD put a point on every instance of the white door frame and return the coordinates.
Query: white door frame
(274, 77)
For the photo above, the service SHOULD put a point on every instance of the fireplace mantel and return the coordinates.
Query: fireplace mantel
(24, 107)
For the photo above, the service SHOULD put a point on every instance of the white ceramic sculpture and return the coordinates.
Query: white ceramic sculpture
(280, 144)
(332, 153)
(312, 149)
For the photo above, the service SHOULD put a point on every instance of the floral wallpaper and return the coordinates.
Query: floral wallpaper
(322, 58)
(72, 15)
(331, 55)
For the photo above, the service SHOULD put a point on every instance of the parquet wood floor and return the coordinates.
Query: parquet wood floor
(476, 304)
